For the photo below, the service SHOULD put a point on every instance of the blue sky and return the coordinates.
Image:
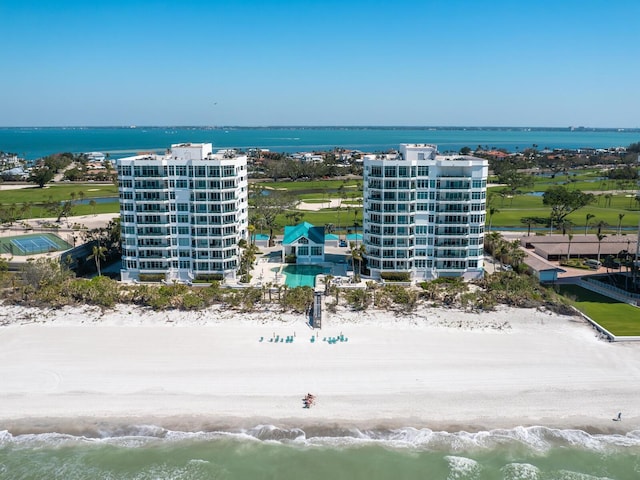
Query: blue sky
(288, 62)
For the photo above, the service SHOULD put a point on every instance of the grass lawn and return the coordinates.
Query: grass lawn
(619, 318)
(512, 210)
(57, 192)
(311, 186)
(78, 210)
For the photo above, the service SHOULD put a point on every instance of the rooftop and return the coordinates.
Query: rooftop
(304, 229)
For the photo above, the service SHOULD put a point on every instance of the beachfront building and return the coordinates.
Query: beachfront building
(182, 213)
(424, 213)
(304, 242)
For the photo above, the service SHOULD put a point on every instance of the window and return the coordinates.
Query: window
(316, 251)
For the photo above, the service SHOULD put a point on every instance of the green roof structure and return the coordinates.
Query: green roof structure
(305, 229)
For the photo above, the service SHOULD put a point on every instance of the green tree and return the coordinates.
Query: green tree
(41, 176)
(563, 201)
(268, 206)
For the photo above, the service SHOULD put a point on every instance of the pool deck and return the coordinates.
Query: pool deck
(268, 267)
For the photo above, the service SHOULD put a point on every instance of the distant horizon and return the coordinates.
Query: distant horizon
(318, 127)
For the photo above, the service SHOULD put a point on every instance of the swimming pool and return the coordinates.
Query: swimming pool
(302, 275)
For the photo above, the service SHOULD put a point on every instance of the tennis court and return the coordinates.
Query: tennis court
(32, 244)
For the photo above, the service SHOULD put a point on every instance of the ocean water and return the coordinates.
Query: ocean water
(33, 143)
(266, 452)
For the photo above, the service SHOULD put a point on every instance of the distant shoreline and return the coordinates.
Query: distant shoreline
(505, 128)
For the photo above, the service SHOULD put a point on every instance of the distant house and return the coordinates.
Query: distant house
(304, 241)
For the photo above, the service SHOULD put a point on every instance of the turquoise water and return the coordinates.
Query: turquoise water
(34, 143)
(265, 452)
(302, 275)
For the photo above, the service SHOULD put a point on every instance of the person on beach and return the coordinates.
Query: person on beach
(308, 400)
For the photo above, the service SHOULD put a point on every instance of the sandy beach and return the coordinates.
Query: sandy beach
(80, 368)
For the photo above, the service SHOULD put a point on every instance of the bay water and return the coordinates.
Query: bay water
(267, 452)
(32, 143)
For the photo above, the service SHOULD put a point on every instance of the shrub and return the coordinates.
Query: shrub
(298, 299)
(192, 301)
(101, 291)
(152, 277)
(208, 278)
(358, 299)
(402, 295)
(396, 276)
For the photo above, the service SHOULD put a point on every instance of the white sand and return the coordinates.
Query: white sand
(450, 370)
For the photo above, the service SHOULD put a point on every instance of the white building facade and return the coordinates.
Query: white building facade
(182, 213)
(424, 213)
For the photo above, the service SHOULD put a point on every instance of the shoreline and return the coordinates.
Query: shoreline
(79, 369)
(160, 427)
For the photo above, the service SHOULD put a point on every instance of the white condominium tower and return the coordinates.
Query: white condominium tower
(182, 213)
(424, 213)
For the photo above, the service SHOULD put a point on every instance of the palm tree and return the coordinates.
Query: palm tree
(620, 217)
(600, 225)
(566, 226)
(607, 198)
(516, 254)
(355, 255)
(528, 221)
(92, 204)
(499, 250)
(252, 233)
(493, 239)
(586, 224)
(98, 255)
(600, 238)
(492, 212)
(569, 247)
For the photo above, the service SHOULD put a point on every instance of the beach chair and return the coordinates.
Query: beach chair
(261, 339)
(313, 339)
